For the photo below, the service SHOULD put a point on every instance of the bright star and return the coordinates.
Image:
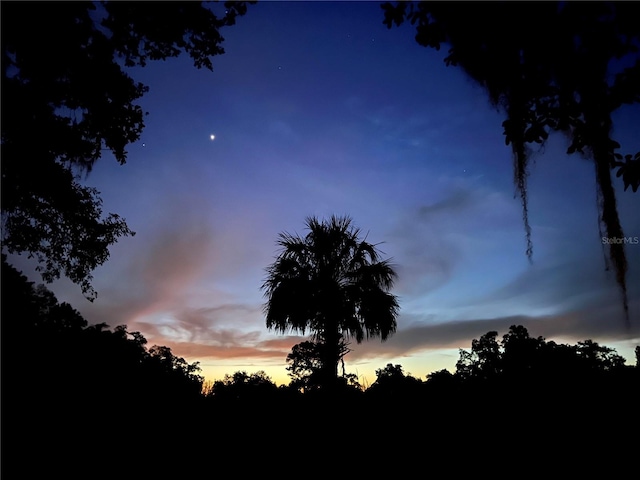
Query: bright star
(212, 136)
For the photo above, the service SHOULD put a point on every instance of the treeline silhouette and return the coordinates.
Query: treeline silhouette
(518, 370)
(73, 393)
(66, 357)
(78, 391)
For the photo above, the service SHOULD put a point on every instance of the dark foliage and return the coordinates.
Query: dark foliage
(64, 348)
(551, 67)
(305, 365)
(66, 99)
(244, 387)
(392, 384)
(73, 391)
(522, 359)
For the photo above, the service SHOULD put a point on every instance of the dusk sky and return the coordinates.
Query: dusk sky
(318, 109)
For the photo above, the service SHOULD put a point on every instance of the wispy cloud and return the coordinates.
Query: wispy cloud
(157, 270)
(431, 240)
(235, 344)
(603, 324)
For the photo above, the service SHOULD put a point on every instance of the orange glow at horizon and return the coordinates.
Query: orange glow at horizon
(419, 366)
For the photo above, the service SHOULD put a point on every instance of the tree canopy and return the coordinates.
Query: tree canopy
(69, 360)
(551, 67)
(334, 284)
(67, 98)
(392, 382)
(243, 387)
(305, 365)
(518, 357)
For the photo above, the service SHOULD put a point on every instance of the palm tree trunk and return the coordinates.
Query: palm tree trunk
(330, 355)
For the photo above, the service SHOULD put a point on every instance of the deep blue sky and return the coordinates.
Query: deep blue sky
(318, 109)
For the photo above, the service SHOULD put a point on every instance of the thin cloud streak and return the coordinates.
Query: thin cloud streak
(238, 345)
(433, 240)
(605, 324)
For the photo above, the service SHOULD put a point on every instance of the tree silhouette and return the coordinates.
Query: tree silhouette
(243, 387)
(524, 359)
(69, 362)
(483, 361)
(551, 66)
(305, 365)
(335, 285)
(441, 381)
(60, 112)
(521, 354)
(598, 357)
(391, 382)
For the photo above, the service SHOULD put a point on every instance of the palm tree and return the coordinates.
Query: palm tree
(333, 284)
